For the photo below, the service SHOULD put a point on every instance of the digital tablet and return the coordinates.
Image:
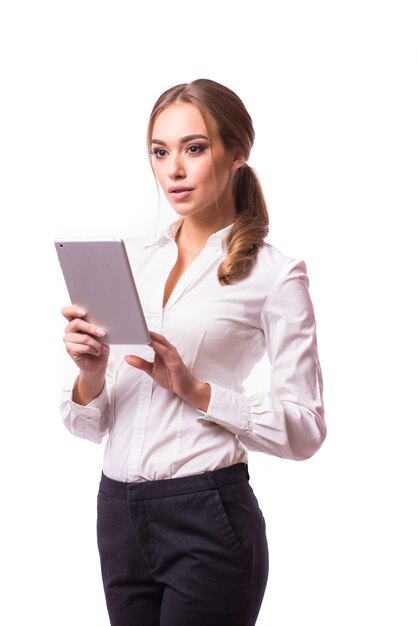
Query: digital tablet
(99, 279)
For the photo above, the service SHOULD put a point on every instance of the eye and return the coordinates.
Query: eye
(159, 153)
(196, 148)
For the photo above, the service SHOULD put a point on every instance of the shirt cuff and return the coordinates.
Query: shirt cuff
(228, 408)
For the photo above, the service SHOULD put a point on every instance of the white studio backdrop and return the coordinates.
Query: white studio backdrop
(331, 87)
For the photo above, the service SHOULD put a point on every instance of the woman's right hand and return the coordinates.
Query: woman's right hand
(82, 341)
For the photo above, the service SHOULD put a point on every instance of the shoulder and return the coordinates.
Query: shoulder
(275, 265)
(138, 241)
(151, 241)
(137, 246)
(270, 256)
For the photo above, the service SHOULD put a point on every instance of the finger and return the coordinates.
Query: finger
(79, 339)
(139, 363)
(73, 311)
(160, 338)
(159, 347)
(162, 348)
(80, 325)
(85, 348)
(77, 350)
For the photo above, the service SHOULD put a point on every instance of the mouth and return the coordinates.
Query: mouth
(179, 189)
(180, 193)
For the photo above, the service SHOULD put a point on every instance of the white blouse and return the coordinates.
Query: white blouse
(220, 332)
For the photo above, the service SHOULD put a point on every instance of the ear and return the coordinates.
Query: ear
(238, 161)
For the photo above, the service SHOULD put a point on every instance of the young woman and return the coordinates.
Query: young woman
(181, 536)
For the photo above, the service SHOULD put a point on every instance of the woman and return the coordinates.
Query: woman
(181, 537)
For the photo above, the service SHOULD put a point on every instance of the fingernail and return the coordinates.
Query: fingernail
(100, 331)
(104, 350)
(80, 312)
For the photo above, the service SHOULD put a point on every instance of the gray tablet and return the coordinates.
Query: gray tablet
(99, 279)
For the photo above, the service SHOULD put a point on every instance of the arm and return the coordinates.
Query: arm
(90, 420)
(288, 420)
(85, 405)
(88, 388)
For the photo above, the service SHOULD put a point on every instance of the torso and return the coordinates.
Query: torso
(181, 264)
(184, 259)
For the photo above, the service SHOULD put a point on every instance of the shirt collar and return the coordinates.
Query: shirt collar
(170, 231)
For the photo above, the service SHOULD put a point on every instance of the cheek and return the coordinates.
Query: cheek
(200, 172)
(221, 166)
(157, 170)
(203, 174)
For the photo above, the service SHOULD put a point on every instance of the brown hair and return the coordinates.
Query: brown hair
(236, 132)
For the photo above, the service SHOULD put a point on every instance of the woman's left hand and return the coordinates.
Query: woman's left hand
(170, 371)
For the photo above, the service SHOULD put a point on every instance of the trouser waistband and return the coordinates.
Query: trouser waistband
(145, 490)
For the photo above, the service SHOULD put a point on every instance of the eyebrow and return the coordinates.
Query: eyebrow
(182, 140)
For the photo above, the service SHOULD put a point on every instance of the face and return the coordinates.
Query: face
(183, 163)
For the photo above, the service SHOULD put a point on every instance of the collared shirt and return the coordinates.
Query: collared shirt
(220, 332)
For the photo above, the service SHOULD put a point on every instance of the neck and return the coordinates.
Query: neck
(197, 228)
(192, 234)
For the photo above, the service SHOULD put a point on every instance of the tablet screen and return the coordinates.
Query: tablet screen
(99, 279)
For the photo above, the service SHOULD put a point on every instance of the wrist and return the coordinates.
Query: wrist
(87, 388)
(91, 378)
(199, 396)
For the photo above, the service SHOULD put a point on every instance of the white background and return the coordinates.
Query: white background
(331, 87)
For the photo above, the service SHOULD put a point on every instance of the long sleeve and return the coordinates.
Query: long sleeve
(92, 420)
(288, 419)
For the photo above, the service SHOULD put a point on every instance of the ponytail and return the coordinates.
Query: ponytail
(249, 230)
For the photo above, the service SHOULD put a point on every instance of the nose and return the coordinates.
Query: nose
(176, 167)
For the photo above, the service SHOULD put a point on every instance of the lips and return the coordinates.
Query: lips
(180, 193)
(179, 189)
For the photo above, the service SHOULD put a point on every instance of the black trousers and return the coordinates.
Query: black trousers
(188, 551)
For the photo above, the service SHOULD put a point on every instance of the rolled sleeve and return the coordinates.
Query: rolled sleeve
(288, 419)
(90, 421)
(229, 409)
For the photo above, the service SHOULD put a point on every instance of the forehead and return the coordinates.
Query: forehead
(181, 119)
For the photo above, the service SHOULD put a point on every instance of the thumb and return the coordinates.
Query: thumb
(139, 363)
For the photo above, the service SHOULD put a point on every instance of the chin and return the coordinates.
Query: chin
(183, 211)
